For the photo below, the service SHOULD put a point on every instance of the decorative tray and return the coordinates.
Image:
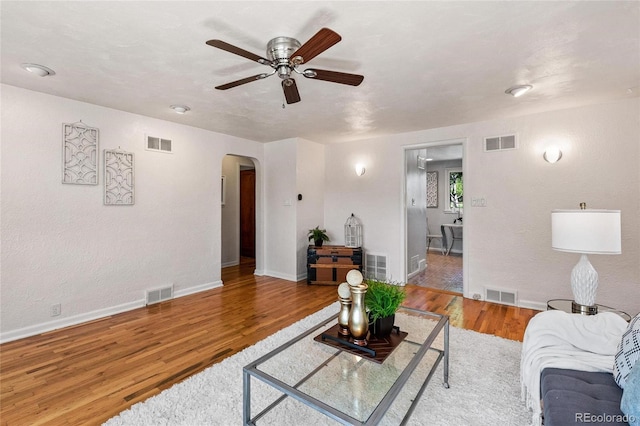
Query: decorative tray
(377, 350)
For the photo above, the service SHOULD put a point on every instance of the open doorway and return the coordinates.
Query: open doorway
(434, 215)
(238, 217)
(247, 212)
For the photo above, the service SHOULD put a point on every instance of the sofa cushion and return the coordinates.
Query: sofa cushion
(628, 352)
(579, 397)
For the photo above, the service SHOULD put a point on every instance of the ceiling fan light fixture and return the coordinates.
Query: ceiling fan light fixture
(180, 109)
(284, 72)
(39, 70)
(517, 91)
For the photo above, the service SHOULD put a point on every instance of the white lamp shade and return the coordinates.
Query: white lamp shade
(586, 231)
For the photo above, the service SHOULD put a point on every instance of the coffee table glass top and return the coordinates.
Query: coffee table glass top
(346, 387)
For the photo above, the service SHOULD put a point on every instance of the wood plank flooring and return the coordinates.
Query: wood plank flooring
(88, 373)
(442, 272)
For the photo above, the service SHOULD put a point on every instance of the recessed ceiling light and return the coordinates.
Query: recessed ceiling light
(180, 109)
(516, 91)
(39, 70)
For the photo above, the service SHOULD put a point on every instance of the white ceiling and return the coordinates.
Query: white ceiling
(426, 64)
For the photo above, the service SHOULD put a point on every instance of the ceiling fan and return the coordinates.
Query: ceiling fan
(284, 55)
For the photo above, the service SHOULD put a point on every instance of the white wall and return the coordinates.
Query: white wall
(416, 202)
(295, 166)
(376, 197)
(280, 214)
(508, 241)
(60, 244)
(310, 210)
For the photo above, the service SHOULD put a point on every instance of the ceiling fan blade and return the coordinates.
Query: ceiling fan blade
(236, 50)
(334, 76)
(321, 41)
(242, 81)
(291, 93)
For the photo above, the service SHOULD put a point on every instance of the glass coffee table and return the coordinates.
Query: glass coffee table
(311, 382)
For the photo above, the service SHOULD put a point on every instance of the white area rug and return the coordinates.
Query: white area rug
(484, 380)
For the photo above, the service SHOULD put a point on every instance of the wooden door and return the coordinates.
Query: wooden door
(248, 213)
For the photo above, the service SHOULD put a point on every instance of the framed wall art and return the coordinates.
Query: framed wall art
(432, 189)
(79, 154)
(118, 178)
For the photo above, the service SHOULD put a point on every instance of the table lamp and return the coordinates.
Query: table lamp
(586, 232)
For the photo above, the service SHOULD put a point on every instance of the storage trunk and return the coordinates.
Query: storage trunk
(328, 265)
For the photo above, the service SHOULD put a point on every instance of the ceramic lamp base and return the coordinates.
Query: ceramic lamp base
(584, 282)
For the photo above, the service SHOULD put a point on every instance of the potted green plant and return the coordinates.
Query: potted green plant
(382, 301)
(318, 236)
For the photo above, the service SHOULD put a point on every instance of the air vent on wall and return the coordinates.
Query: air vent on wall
(159, 295)
(500, 143)
(506, 297)
(375, 266)
(415, 264)
(158, 144)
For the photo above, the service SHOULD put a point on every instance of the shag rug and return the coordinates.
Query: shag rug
(484, 379)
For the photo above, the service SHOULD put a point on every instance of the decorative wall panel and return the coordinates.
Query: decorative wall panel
(118, 178)
(79, 154)
(432, 189)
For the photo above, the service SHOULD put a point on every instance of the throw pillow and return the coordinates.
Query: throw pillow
(628, 352)
(630, 403)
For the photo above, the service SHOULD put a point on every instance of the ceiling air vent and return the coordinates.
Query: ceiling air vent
(158, 144)
(500, 143)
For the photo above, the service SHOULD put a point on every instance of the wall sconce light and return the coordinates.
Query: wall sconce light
(552, 154)
(360, 169)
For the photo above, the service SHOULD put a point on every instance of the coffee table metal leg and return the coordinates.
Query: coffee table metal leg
(246, 400)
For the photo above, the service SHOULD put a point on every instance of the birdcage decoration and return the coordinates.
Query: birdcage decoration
(352, 232)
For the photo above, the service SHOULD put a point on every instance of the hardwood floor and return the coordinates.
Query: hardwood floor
(89, 373)
(442, 272)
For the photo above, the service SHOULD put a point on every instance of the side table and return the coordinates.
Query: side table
(566, 306)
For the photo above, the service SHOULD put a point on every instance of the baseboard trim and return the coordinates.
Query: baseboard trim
(538, 306)
(34, 330)
(413, 274)
(198, 288)
(70, 321)
(230, 263)
(287, 277)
